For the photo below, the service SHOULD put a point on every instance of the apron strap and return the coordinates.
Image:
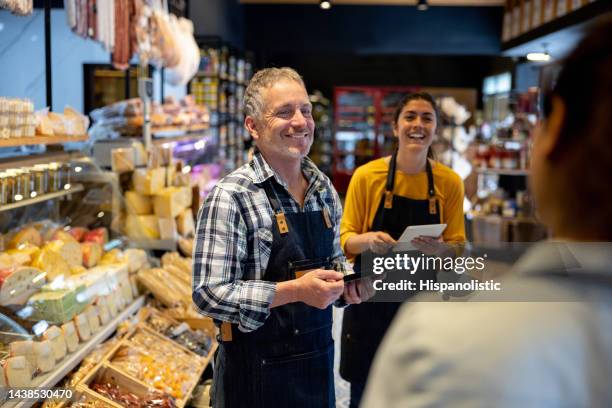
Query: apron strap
(324, 211)
(390, 181)
(279, 214)
(433, 207)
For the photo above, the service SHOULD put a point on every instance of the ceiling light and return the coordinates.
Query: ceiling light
(538, 56)
(422, 5)
(325, 4)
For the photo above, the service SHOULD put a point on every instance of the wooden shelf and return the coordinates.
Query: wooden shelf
(49, 380)
(504, 172)
(45, 197)
(41, 140)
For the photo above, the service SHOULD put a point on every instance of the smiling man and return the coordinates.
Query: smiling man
(268, 264)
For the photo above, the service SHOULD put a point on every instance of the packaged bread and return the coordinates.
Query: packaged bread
(173, 258)
(138, 204)
(17, 372)
(70, 336)
(45, 360)
(58, 345)
(44, 125)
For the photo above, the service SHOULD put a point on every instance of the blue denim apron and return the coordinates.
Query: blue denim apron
(287, 362)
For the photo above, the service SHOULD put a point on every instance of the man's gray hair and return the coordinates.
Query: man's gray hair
(265, 78)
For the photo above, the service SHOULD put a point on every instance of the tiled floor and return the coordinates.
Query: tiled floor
(342, 387)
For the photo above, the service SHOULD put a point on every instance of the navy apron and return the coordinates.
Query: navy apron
(365, 324)
(288, 361)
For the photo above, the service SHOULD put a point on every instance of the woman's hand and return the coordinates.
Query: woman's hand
(431, 245)
(379, 242)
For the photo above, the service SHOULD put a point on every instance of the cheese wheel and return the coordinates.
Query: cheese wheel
(45, 360)
(70, 336)
(58, 344)
(18, 372)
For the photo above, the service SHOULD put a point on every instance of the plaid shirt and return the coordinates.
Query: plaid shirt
(234, 240)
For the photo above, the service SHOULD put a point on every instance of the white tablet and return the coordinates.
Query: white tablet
(413, 231)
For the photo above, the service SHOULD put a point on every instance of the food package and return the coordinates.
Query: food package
(57, 123)
(24, 348)
(122, 160)
(103, 311)
(149, 181)
(185, 224)
(99, 235)
(92, 253)
(138, 204)
(81, 322)
(58, 343)
(16, 285)
(45, 360)
(57, 306)
(17, 372)
(136, 259)
(52, 263)
(75, 123)
(44, 125)
(70, 336)
(169, 202)
(140, 227)
(167, 228)
(70, 250)
(28, 235)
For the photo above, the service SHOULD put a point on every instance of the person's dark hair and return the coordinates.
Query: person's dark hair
(583, 153)
(424, 96)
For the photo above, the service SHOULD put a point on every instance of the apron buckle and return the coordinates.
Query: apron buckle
(283, 228)
(388, 199)
(327, 218)
(432, 206)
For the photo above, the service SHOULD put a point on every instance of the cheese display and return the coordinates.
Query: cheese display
(112, 305)
(81, 322)
(58, 345)
(45, 360)
(136, 259)
(185, 224)
(51, 262)
(103, 312)
(149, 181)
(17, 372)
(28, 235)
(69, 249)
(70, 336)
(142, 227)
(17, 285)
(138, 204)
(99, 235)
(169, 202)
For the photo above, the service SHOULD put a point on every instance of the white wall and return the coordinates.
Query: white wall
(22, 60)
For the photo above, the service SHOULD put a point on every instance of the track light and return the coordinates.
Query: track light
(539, 56)
(422, 5)
(325, 4)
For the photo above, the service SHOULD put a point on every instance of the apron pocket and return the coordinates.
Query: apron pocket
(298, 381)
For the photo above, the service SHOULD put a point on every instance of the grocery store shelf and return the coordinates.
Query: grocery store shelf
(41, 140)
(45, 197)
(176, 131)
(72, 360)
(504, 172)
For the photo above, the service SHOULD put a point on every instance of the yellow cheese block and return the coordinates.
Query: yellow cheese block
(52, 263)
(169, 202)
(70, 250)
(185, 224)
(170, 173)
(186, 196)
(142, 227)
(149, 181)
(81, 322)
(138, 204)
(167, 228)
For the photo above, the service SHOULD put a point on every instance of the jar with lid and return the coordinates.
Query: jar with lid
(24, 175)
(4, 189)
(17, 190)
(66, 176)
(40, 179)
(55, 177)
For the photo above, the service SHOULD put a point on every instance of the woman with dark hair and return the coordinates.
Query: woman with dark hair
(384, 197)
(545, 339)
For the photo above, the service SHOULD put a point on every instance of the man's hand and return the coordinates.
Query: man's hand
(319, 288)
(358, 291)
(379, 242)
(431, 245)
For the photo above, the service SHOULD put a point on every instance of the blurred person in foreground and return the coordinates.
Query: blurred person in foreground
(556, 352)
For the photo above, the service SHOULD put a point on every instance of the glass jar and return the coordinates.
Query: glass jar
(55, 177)
(4, 196)
(40, 179)
(16, 193)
